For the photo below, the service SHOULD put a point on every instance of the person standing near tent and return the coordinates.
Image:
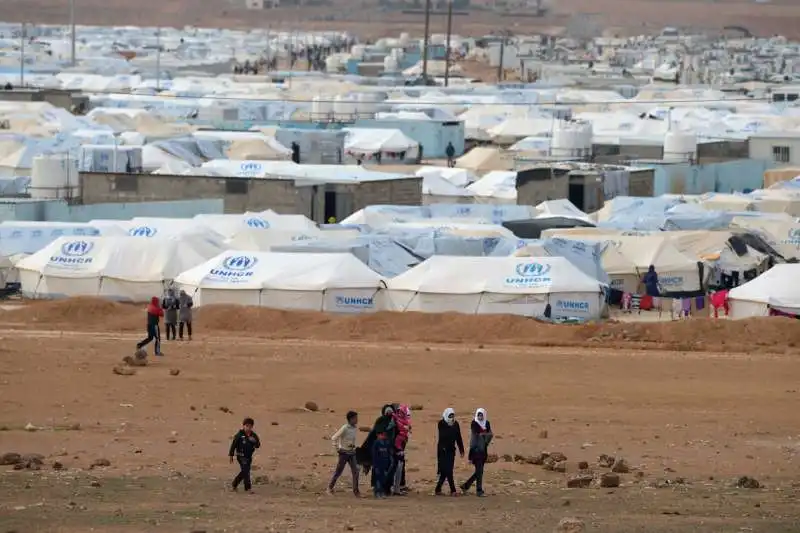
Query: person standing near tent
(450, 152)
(650, 280)
(170, 304)
(154, 314)
(185, 304)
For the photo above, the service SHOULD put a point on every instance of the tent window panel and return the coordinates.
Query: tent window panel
(126, 183)
(236, 186)
(781, 154)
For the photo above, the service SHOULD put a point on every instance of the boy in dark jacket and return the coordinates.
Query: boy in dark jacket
(154, 314)
(244, 444)
(382, 452)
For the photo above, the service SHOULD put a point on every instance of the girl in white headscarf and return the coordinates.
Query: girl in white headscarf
(449, 438)
(480, 437)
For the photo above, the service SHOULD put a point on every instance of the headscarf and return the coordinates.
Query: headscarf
(481, 423)
(154, 308)
(387, 410)
(446, 416)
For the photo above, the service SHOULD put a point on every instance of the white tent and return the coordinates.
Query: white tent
(561, 208)
(496, 285)
(777, 288)
(392, 145)
(497, 186)
(336, 282)
(120, 268)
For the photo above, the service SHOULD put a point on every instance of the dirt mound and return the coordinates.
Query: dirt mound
(759, 334)
(84, 313)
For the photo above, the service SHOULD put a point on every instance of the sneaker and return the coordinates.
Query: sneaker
(234, 489)
(357, 494)
(329, 491)
(481, 494)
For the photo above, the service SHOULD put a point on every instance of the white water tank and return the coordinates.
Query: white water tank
(358, 51)
(391, 64)
(333, 63)
(571, 141)
(345, 107)
(322, 108)
(54, 176)
(397, 53)
(369, 103)
(405, 39)
(680, 146)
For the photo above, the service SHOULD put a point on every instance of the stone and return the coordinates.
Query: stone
(10, 458)
(226, 410)
(583, 465)
(123, 371)
(558, 456)
(95, 484)
(100, 463)
(540, 458)
(543, 434)
(609, 480)
(606, 461)
(33, 459)
(174, 372)
(492, 458)
(58, 466)
(560, 467)
(507, 458)
(549, 464)
(746, 482)
(417, 407)
(620, 466)
(580, 481)
(570, 525)
(311, 406)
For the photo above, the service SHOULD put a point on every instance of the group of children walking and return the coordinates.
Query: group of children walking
(383, 451)
(177, 314)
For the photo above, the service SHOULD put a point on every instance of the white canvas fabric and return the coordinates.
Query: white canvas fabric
(119, 268)
(776, 288)
(495, 285)
(336, 282)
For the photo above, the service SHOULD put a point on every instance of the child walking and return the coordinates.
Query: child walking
(382, 452)
(244, 444)
(402, 420)
(154, 314)
(481, 437)
(344, 441)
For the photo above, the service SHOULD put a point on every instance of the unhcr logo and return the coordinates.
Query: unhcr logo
(570, 305)
(354, 301)
(73, 253)
(531, 270)
(250, 167)
(143, 231)
(258, 223)
(530, 275)
(794, 236)
(235, 268)
(239, 262)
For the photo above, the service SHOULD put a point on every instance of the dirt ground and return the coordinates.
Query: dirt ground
(689, 422)
(366, 19)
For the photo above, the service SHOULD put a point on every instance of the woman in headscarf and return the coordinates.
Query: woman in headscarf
(383, 424)
(480, 438)
(449, 438)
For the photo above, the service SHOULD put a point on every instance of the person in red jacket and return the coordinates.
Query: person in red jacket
(154, 314)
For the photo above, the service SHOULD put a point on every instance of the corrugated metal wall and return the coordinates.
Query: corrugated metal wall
(59, 211)
(727, 176)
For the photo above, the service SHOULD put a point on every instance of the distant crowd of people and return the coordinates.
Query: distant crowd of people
(383, 452)
(314, 56)
(176, 310)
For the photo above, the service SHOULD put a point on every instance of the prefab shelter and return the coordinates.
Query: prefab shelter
(496, 285)
(336, 282)
(777, 289)
(118, 268)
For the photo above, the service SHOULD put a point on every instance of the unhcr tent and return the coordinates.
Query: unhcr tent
(776, 289)
(119, 268)
(336, 282)
(496, 285)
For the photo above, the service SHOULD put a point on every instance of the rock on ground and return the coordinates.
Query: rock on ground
(312, 406)
(609, 480)
(580, 481)
(620, 466)
(123, 371)
(570, 525)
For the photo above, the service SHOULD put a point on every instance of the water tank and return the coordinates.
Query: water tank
(397, 53)
(405, 39)
(680, 146)
(54, 176)
(568, 141)
(369, 103)
(391, 64)
(358, 51)
(333, 63)
(586, 137)
(322, 108)
(345, 107)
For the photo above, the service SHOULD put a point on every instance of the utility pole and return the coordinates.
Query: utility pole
(447, 43)
(500, 66)
(72, 25)
(22, 56)
(158, 59)
(425, 42)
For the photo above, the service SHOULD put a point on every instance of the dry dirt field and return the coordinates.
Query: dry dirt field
(690, 406)
(366, 19)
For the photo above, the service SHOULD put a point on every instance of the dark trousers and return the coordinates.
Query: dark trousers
(447, 463)
(171, 328)
(380, 481)
(476, 477)
(153, 334)
(188, 329)
(244, 473)
(345, 459)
